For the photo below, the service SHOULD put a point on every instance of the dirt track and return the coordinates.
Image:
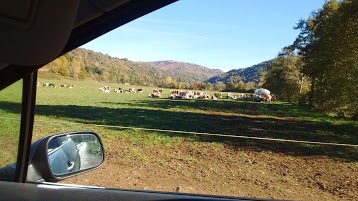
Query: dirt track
(217, 169)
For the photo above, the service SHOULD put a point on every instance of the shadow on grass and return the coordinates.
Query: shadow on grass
(205, 105)
(280, 109)
(214, 123)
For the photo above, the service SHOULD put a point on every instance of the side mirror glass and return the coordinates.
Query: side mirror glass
(75, 152)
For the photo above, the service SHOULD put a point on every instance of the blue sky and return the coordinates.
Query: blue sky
(223, 34)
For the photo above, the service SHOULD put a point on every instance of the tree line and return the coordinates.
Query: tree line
(320, 68)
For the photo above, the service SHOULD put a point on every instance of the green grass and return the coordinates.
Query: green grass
(86, 104)
(10, 122)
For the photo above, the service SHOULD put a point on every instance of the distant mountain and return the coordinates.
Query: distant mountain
(249, 74)
(184, 72)
(82, 64)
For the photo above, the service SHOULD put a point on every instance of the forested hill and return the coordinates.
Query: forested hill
(82, 63)
(184, 72)
(246, 75)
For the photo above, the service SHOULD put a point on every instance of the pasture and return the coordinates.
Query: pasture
(153, 160)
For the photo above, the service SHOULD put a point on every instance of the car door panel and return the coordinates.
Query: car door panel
(48, 191)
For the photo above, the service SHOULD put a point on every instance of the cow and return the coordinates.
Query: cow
(132, 90)
(157, 90)
(49, 85)
(178, 94)
(119, 90)
(67, 86)
(256, 98)
(171, 96)
(266, 98)
(105, 89)
(139, 90)
(231, 96)
(154, 95)
(218, 95)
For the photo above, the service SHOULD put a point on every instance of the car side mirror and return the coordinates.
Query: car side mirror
(56, 157)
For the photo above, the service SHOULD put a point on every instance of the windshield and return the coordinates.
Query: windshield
(242, 98)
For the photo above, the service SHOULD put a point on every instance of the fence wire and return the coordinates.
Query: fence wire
(196, 133)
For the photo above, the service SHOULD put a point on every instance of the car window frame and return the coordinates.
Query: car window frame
(26, 126)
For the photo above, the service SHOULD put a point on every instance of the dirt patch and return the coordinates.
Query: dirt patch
(213, 168)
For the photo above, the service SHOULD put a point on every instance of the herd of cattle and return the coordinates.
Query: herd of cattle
(52, 85)
(107, 89)
(258, 95)
(180, 94)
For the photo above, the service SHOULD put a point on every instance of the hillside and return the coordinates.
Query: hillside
(184, 72)
(249, 74)
(82, 63)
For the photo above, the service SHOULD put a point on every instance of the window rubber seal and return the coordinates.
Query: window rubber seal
(26, 127)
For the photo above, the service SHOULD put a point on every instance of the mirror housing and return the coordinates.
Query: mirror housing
(57, 157)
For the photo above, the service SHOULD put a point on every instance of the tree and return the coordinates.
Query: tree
(168, 82)
(219, 86)
(209, 86)
(230, 86)
(284, 77)
(62, 70)
(181, 85)
(328, 45)
(83, 74)
(240, 86)
(250, 86)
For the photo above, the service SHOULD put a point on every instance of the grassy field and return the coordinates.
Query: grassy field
(196, 163)
(86, 104)
(9, 122)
